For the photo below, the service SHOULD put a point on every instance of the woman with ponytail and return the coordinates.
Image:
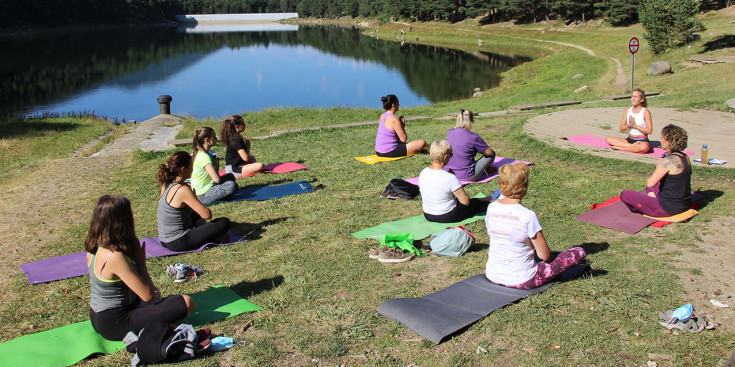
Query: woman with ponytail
(391, 140)
(238, 159)
(182, 219)
(206, 182)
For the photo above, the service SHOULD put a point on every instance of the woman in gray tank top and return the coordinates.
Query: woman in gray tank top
(123, 297)
(182, 219)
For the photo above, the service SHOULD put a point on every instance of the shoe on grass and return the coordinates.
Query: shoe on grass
(394, 256)
(374, 252)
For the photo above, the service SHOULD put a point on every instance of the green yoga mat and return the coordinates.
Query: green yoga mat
(418, 225)
(70, 344)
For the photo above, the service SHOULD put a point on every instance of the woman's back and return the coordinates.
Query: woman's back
(172, 222)
(675, 193)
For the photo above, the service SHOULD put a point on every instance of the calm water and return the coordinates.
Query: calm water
(216, 72)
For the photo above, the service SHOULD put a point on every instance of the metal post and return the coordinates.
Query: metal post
(632, 73)
(164, 102)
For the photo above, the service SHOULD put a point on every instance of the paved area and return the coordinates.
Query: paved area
(713, 128)
(148, 135)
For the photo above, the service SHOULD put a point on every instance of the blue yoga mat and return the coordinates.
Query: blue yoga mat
(261, 193)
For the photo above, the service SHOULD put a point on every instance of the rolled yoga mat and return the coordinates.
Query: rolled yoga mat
(70, 344)
(260, 193)
(439, 315)
(75, 265)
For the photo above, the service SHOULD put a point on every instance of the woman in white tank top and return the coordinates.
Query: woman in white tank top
(637, 121)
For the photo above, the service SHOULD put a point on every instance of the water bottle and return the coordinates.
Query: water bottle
(704, 154)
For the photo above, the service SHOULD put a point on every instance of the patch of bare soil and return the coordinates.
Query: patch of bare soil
(707, 271)
(38, 208)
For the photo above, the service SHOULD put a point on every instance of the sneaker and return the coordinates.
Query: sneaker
(394, 256)
(183, 273)
(374, 252)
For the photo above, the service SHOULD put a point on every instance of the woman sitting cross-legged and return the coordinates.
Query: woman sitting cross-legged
(516, 238)
(123, 297)
(442, 197)
(182, 224)
(669, 189)
(465, 146)
(206, 182)
(391, 140)
(238, 159)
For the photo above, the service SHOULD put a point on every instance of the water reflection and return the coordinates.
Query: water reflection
(119, 73)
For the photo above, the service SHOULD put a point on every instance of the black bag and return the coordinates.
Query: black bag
(402, 188)
(154, 346)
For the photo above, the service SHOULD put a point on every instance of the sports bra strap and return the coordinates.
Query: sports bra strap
(99, 274)
(172, 196)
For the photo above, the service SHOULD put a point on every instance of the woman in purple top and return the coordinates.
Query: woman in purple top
(392, 140)
(465, 146)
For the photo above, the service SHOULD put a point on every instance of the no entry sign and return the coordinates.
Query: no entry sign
(633, 45)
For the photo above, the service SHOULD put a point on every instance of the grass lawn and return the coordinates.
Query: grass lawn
(317, 287)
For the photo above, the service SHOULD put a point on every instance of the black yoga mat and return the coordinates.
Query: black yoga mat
(439, 315)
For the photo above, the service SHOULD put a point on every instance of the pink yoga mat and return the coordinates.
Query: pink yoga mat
(499, 161)
(275, 168)
(596, 141)
(74, 265)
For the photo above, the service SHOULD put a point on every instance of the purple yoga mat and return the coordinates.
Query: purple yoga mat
(596, 141)
(617, 216)
(74, 265)
(499, 161)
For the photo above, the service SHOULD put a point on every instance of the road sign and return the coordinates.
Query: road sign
(633, 45)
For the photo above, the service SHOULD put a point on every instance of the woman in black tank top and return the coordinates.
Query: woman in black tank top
(668, 190)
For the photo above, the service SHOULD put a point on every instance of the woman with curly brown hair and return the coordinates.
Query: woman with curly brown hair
(668, 190)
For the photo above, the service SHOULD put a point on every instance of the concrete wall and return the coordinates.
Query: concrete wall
(255, 17)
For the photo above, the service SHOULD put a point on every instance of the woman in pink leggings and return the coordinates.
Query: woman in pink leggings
(668, 190)
(516, 238)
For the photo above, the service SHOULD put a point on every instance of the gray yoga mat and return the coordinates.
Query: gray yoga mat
(439, 315)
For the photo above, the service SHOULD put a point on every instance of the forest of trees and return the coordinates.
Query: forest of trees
(25, 13)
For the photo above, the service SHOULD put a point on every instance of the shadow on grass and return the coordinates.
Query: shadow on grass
(248, 289)
(34, 128)
(725, 41)
(254, 231)
(704, 197)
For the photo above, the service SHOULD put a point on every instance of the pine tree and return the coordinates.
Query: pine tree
(669, 23)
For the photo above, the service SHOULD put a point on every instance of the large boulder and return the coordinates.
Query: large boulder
(659, 67)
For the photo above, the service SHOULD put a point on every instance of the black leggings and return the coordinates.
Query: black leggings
(203, 232)
(460, 212)
(399, 151)
(114, 323)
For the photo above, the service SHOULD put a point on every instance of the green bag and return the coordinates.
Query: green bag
(403, 241)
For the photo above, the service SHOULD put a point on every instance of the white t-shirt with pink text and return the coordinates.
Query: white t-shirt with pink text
(511, 254)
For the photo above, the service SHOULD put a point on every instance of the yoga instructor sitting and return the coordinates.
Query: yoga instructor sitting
(465, 146)
(122, 295)
(442, 197)
(392, 140)
(668, 190)
(182, 224)
(637, 122)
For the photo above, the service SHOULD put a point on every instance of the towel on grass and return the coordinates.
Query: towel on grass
(499, 162)
(372, 159)
(596, 141)
(74, 265)
(72, 343)
(273, 168)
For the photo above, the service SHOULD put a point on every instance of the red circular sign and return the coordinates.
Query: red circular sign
(633, 45)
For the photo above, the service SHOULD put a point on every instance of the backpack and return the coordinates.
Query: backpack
(452, 242)
(402, 188)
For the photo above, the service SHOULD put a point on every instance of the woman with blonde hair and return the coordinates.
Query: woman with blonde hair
(442, 197)
(669, 189)
(516, 238)
(637, 122)
(465, 146)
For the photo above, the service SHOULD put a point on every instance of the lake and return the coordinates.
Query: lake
(224, 70)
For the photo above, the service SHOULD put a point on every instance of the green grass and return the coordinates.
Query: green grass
(319, 290)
